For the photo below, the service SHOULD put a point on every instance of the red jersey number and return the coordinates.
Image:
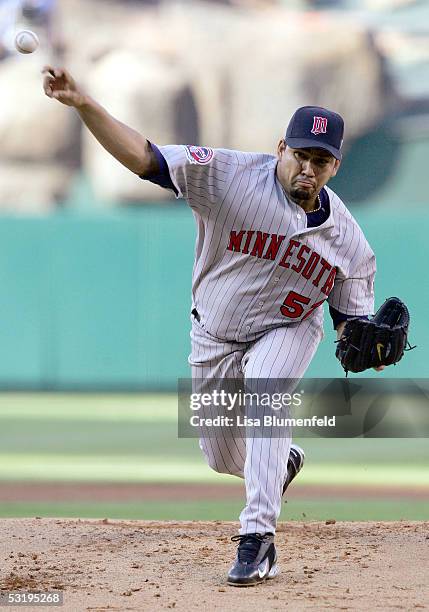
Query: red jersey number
(294, 306)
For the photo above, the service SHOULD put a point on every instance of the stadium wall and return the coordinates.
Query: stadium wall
(101, 302)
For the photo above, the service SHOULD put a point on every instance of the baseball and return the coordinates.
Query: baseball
(26, 41)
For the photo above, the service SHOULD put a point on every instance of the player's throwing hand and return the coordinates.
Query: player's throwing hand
(59, 84)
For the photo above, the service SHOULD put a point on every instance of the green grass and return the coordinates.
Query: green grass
(105, 468)
(146, 426)
(228, 510)
(133, 438)
(87, 407)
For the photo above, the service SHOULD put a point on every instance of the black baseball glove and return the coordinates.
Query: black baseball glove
(379, 341)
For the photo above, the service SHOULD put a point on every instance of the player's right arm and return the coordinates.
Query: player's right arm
(129, 147)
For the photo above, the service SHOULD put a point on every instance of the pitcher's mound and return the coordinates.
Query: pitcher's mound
(138, 565)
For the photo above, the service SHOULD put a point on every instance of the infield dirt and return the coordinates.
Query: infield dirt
(138, 565)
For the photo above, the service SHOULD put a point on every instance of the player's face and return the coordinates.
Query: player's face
(303, 172)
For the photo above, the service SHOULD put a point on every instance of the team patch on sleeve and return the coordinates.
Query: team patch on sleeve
(199, 155)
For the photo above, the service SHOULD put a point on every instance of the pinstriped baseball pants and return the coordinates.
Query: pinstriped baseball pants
(281, 353)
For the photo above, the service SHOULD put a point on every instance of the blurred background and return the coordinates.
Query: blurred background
(95, 264)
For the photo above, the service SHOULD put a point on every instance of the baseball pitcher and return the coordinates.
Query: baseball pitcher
(273, 244)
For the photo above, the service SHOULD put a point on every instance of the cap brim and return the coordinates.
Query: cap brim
(309, 143)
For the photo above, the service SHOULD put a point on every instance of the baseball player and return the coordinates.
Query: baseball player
(273, 244)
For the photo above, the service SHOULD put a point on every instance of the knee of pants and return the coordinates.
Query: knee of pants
(218, 463)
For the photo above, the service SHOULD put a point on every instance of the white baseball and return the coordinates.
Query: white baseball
(26, 41)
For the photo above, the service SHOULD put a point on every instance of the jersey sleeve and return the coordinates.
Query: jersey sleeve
(353, 294)
(339, 317)
(163, 178)
(198, 174)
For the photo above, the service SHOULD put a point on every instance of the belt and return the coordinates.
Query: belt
(194, 313)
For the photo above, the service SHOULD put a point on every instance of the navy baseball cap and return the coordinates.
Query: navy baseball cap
(318, 127)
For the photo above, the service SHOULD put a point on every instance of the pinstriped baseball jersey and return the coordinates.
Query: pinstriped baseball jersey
(258, 265)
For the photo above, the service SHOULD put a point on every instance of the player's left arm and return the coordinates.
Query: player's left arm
(340, 329)
(353, 295)
(353, 292)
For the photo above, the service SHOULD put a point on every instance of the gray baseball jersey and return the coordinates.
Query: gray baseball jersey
(261, 275)
(257, 263)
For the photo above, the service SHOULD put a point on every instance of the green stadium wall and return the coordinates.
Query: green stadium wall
(101, 302)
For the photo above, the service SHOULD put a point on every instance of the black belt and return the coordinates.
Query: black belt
(194, 313)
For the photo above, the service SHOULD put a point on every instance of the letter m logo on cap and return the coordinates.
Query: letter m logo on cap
(320, 125)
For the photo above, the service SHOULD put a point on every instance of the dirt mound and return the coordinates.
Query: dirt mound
(138, 565)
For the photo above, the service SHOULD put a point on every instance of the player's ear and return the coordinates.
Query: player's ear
(337, 164)
(281, 147)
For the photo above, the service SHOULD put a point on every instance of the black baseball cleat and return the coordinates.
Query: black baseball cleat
(294, 464)
(256, 560)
